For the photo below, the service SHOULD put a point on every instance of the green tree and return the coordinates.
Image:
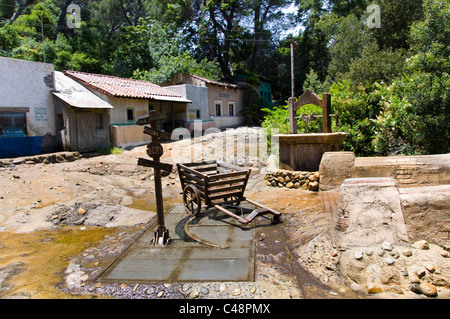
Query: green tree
(426, 88)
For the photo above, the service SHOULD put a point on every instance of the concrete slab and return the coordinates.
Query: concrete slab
(187, 260)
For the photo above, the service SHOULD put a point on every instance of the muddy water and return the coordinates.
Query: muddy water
(32, 263)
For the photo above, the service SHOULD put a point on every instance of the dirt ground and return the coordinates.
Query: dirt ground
(45, 228)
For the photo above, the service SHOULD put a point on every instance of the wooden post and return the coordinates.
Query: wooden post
(292, 119)
(292, 69)
(326, 111)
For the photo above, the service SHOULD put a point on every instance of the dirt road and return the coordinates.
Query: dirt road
(61, 224)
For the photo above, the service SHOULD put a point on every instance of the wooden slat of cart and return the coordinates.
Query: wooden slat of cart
(226, 181)
(213, 190)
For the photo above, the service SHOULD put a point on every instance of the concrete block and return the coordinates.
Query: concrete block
(369, 213)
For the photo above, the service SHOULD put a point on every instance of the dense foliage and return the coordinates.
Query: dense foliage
(391, 91)
(390, 85)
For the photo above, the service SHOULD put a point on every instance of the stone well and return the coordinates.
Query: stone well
(303, 152)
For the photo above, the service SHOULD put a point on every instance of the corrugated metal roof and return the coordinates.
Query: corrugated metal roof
(126, 88)
(76, 95)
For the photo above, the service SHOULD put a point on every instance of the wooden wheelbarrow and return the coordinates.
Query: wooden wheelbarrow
(219, 185)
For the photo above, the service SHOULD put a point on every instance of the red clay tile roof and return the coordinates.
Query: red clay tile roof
(121, 87)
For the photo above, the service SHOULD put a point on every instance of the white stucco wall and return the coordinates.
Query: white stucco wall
(199, 97)
(22, 85)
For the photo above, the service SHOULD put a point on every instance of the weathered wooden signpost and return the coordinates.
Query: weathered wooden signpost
(155, 151)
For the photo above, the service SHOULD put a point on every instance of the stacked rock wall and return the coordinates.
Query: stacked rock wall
(293, 179)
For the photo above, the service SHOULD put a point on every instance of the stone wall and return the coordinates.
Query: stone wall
(427, 213)
(374, 210)
(293, 179)
(49, 158)
(408, 171)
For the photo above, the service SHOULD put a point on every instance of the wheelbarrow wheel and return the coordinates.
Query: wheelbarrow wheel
(192, 200)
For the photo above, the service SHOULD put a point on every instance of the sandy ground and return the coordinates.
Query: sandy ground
(38, 249)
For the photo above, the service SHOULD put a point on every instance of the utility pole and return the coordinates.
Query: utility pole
(292, 68)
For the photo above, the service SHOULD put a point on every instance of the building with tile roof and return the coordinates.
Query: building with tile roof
(131, 100)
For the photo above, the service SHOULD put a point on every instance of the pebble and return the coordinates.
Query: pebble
(252, 290)
(373, 288)
(204, 290)
(369, 252)
(194, 294)
(445, 253)
(236, 292)
(387, 246)
(414, 279)
(380, 252)
(389, 261)
(430, 267)
(186, 287)
(81, 211)
(160, 294)
(407, 252)
(395, 289)
(421, 244)
(358, 255)
(150, 290)
(394, 254)
(414, 287)
(428, 290)
(222, 287)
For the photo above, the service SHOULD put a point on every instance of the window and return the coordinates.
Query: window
(130, 114)
(218, 107)
(230, 109)
(197, 114)
(12, 124)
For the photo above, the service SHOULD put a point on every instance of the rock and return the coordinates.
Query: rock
(150, 290)
(314, 177)
(428, 290)
(395, 289)
(252, 290)
(414, 279)
(281, 180)
(186, 287)
(160, 294)
(222, 287)
(313, 186)
(369, 252)
(194, 294)
(444, 253)
(204, 290)
(81, 211)
(290, 185)
(415, 288)
(407, 252)
(387, 246)
(430, 267)
(421, 244)
(389, 261)
(380, 252)
(236, 292)
(358, 255)
(420, 271)
(394, 254)
(373, 288)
